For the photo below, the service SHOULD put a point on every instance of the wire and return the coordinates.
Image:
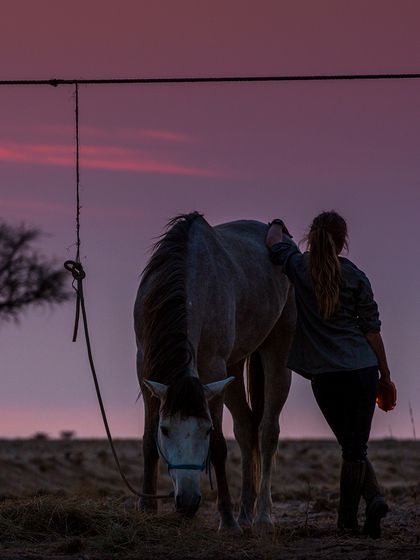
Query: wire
(213, 79)
(77, 174)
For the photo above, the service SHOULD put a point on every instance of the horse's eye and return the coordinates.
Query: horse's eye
(164, 430)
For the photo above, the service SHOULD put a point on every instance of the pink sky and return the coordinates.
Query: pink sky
(231, 151)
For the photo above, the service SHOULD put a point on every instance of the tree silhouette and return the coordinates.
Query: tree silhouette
(27, 278)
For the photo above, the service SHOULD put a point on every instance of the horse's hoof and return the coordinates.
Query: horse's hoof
(147, 506)
(245, 521)
(263, 525)
(232, 527)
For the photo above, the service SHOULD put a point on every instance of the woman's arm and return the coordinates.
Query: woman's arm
(370, 324)
(283, 250)
(375, 340)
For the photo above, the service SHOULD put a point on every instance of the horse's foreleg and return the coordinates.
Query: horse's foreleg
(150, 454)
(246, 435)
(218, 453)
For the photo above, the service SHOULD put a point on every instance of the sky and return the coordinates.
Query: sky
(231, 151)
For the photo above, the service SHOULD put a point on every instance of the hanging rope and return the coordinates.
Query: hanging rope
(76, 268)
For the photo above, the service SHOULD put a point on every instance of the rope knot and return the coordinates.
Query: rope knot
(76, 269)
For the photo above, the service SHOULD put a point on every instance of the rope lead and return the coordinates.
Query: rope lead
(78, 273)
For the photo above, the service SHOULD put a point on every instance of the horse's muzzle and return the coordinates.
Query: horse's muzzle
(187, 504)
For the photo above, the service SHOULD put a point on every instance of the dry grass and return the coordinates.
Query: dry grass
(65, 499)
(95, 525)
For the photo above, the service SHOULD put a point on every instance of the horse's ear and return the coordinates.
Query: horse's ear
(158, 390)
(215, 389)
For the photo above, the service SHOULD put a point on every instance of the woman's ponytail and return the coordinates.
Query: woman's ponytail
(326, 238)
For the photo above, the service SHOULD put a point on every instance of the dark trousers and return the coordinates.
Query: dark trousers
(347, 401)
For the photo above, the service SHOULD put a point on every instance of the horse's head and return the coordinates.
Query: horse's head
(183, 435)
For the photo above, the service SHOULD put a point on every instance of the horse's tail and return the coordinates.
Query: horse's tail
(255, 395)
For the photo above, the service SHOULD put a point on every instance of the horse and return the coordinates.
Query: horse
(210, 302)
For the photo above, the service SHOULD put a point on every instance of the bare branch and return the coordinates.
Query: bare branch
(27, 278)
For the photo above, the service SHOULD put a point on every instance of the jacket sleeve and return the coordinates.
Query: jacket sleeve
(366, 307)
(286, 254)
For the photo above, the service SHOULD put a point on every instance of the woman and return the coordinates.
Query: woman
(338, 346)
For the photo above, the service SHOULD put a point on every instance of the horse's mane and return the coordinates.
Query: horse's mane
(167, 352)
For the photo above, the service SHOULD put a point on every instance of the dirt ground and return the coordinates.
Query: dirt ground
(64, 499)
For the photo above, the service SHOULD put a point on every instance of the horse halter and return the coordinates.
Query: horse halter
(205, 465)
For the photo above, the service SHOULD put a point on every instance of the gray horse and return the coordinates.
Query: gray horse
(210, 301)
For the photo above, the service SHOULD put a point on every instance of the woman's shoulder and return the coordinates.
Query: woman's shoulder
(351, 268)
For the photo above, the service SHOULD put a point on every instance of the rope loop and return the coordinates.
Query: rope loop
(76, 268)
(78, 273)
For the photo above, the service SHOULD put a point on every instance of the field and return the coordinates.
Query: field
(64, 499)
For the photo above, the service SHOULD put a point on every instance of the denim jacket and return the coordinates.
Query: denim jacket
(336, 344)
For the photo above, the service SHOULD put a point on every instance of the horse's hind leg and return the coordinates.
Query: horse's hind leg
(246, 435)
(277, 379)
(269, 439)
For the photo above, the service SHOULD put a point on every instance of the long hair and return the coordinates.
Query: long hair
(326, 238)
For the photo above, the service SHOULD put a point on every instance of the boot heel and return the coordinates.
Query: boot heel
(375, 512)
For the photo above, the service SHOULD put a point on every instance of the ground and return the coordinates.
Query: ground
(64, 499)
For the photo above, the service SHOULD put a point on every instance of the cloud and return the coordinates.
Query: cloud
(99, 157)
(102, 133)
(36, 207)
(148, 134)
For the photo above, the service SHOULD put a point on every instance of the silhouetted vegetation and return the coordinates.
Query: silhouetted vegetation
(67, 435)
(40, 436)
(27, 278)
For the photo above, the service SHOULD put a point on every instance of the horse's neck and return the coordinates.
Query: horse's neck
(204, 297)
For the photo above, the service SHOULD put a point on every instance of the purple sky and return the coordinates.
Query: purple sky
(231, 151)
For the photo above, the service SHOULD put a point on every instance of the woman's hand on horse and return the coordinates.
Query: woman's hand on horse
(276, 228)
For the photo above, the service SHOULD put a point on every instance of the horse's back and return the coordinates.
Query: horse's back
(244, 240)
(242, 293)
(240, 257)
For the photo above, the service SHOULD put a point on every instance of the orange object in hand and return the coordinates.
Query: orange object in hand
(386, 395)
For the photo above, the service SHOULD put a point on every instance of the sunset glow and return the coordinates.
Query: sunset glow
(231, 151)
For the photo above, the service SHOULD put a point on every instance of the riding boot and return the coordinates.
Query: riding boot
(351, 483)
(376, 507)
